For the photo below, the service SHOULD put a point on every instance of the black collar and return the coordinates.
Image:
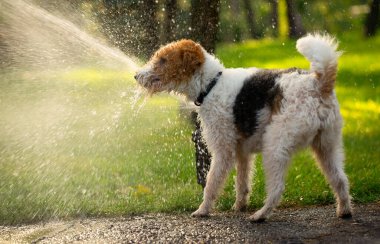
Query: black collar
(202, 96)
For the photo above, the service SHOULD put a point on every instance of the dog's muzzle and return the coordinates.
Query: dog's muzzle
(148, 80)
(142, 78)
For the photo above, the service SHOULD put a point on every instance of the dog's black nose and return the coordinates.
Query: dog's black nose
(135, 76)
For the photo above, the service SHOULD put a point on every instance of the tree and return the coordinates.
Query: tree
(205, 22)
(169, 24)
(251, 20)
(131, 25)
(372, 21)
(204, 29)
(149, 41)
(296, 28)
(236, 34)
(274, 17)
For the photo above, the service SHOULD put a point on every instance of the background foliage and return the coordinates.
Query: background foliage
(140, 26)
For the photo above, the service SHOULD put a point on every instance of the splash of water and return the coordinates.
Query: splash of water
(34, 35)
(70, 142)
(64, 104)
(51, 77)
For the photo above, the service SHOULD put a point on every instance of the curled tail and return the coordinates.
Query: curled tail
(321, 51)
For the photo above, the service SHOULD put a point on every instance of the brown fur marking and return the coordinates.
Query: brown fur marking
(177, 61)
(329, 80)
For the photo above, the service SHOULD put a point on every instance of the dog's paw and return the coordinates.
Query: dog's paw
(344, 211)
(257, 217)
(200, 213)
(239, 207)
(345, 216)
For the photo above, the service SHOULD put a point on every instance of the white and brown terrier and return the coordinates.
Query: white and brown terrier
(251, 110)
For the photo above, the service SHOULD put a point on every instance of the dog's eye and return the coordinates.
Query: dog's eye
(156, 80)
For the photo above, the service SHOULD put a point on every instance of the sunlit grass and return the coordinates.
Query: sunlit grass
(72, 144)
(96, 76)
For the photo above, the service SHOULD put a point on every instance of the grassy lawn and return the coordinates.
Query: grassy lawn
(71, 145)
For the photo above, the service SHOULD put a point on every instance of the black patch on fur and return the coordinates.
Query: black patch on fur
(258, 91)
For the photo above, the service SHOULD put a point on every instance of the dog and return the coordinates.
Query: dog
(244, 111)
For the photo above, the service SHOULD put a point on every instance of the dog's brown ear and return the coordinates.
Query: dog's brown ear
(192, 60)
(192, 55)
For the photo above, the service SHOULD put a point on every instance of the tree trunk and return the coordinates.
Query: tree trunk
(235, 7)
(250, 15)
(131, 26)
(235, 23)
(170, 20)
(296, 28)
(150, 41)
(274, 17)
(372, 21)
(204, 29)
(205, 22)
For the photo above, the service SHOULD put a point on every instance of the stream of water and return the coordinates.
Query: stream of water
(65, 111)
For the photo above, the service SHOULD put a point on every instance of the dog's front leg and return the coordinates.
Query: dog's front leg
(222, 162)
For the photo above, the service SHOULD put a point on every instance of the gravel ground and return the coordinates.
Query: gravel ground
(316, 224)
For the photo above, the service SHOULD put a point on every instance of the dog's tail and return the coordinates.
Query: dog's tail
(321, 51)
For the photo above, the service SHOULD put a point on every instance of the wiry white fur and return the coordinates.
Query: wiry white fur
(320, 50)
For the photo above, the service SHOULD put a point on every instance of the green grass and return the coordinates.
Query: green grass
(72, 146)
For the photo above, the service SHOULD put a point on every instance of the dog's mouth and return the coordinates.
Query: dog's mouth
(150, 82)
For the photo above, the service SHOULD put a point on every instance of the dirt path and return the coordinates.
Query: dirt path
(293, 225)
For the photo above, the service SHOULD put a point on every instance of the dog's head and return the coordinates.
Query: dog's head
(171, 66)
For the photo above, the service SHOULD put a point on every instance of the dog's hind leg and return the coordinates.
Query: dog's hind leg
(328, 150)
(243, 179)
